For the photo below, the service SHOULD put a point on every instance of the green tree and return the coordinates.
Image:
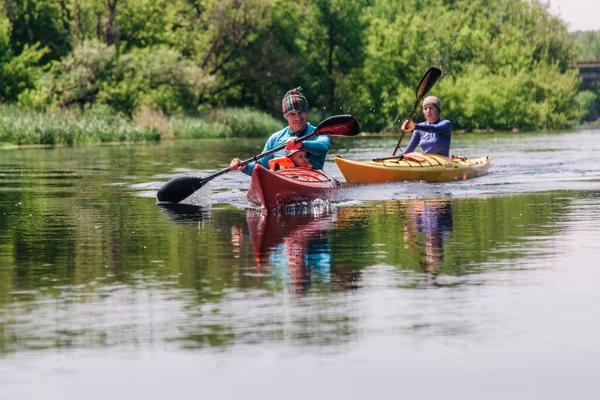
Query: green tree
(155, 77)
(42, 21)
(586, 103)
(507, 63)
(332, 41)
(516, 46)
(20, 72)
(75, 79)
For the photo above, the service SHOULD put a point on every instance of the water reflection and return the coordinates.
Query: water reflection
(428, 224)
(116, 271)
(96, 283)
(186, 212)
(414, 236)
(294, 249)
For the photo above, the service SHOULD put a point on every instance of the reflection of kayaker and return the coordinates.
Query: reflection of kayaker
(294, 248)
(429, 223)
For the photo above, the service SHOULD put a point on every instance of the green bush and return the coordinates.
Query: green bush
(586, 105)
(195, 128)
(155, 77)
(21, 72)
(245, 122)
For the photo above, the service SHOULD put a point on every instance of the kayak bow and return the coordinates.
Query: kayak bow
(273, 189)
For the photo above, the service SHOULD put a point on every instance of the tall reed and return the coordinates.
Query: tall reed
(99, 124)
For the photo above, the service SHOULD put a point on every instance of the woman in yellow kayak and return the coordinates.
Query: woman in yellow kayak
(433, 135)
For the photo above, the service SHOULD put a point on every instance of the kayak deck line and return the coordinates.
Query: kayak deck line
(305, 175)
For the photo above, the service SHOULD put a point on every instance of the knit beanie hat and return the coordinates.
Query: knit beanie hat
(434, 101)
(294, 100)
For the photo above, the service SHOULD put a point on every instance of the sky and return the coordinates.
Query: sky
(580, 15)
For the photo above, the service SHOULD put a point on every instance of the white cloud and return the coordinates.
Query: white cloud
(580, 15)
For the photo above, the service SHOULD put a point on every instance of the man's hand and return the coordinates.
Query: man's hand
(291, 144)
(235, 165)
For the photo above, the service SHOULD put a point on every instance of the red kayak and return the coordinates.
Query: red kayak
(273, 189)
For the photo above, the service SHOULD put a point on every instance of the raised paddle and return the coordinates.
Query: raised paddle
(427, 81)
(179, 188)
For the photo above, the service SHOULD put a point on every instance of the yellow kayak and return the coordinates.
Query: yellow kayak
(413, 167)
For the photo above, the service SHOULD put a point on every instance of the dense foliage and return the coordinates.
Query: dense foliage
(588, 50)
(588, 43)
(507, 64)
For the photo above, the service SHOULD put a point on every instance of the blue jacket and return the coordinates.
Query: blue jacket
(433, 138)
(316, 148)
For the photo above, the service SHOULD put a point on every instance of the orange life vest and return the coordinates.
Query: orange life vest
(280, 163)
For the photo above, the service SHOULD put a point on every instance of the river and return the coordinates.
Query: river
(484, 288)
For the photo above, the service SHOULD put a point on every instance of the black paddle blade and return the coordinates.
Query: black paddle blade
(179, 188)
(428, 80)
(339, 125)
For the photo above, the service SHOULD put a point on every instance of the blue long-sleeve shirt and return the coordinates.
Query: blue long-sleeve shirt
(433, 138)
(316, 148)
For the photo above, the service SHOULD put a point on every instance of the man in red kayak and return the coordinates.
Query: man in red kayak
(295, 110)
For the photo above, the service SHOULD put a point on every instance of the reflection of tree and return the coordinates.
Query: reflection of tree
(427, 225)
(409, 234)
(118, 270)
(414, 235)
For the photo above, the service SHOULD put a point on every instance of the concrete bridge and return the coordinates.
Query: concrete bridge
(589, 72)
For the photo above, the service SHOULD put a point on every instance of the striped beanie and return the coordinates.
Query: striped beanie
(294, 100)
(434, 101)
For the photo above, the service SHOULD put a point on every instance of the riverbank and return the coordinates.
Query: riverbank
(99, 124)
(20, 127)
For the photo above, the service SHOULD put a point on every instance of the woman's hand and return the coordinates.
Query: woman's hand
(235, 165)
(408, 126)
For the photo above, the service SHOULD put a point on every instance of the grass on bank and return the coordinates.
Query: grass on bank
(100, 124)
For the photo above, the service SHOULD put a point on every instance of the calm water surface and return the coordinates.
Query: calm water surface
(485, 288)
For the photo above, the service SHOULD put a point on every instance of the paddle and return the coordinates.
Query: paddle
(427, 81)
(179, 188)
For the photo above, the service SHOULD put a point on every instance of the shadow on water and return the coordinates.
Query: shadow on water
(186, 213)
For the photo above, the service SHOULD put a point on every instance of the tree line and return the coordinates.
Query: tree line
(588, 49)
(588, 45)
(507, 63)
